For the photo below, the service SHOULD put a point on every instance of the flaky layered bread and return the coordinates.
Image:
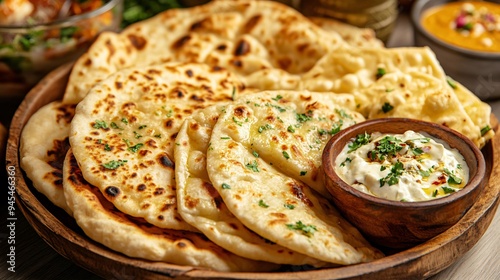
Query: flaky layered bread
(123, 133)
(243, 36)
(136, 238)
(43, 146)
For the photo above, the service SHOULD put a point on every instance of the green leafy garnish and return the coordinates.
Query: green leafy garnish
(289, 206)
(380, 73)
(235, 120)
(485, 130)
(107, 147)
(360, 140)
(301, 118)
(386, 147)
(452, 83)
(137, 135)
(447, 190)
(100, 124)
(67, 32)
(347, 159)
(135, 148)
(253, 166)
(393, 177)
(435, 193)
(124, 120)
(387, 107)
(255, 154)
(277, 98)
(263, 204)
(286, 155)
(225, 186)
(225, 138)
(114, 125)
(303, 173)
(264, 127)
(114, 164)
(452, 178)
(307, 230)
(291, 129)
(142, 126)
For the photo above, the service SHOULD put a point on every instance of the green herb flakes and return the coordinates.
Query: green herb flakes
(225, 186)
(277, 98)
(387, 107)
(307, 230)
(114, 164)
(264, 127)
(135, 148)
(253, 166)
(485, 130)
(303, 173)
(452, 83)
(263, 204)
(447, 190)
(289, 206)
(100, 124)
(380, 73)
(360, 140)
(286, 155)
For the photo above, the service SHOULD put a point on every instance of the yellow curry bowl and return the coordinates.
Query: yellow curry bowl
(407, 219)
(465, 35)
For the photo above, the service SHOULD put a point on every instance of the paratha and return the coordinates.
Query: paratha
(243, 36)
(421, 96)
(136, 238)
(265, 194)
(43, 146)
(200, 204)
(123, 133)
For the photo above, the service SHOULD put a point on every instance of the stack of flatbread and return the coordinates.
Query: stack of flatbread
(195, 137)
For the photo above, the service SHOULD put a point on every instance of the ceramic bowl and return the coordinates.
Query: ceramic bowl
(478, 71)
(396, 224)
(29, 52)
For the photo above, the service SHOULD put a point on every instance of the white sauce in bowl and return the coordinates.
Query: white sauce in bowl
(402, 167)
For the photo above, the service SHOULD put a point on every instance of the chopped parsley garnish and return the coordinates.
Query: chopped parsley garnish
(452, 178)
(417, 151)
(264, 127)
(387, 146)
(485, 130)
(393, 177)
(291, 129)
(289, 206)
(135, 148)
(124, 120)
(301, 118)
(360, 140)
(451, 82)
(263, 204)
(100, 124)
(447, 190)
(277, 98)
(380, 73)
(225, 186)
(307, 230)
(67, 32)
(435, 193)
(137, 135)
(387, 107)
(303, 173)
(343, 114)
(255, 154)
(425, 173)
(348, 159)
(114, 164)
(107, 147)
(286, 155)
(142, 126)
(280, 109)
(237, 121)
(253, 166)
(157, 135)
(225, 138)
(114, 125)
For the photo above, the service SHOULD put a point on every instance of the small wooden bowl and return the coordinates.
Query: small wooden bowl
(395, 224)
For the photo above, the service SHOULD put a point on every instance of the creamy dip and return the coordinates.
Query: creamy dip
(402, 167)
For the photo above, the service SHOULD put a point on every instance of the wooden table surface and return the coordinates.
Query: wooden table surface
(36, 260)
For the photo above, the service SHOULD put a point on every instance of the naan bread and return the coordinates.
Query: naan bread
(260, 184)
(419, 96)
(243, 36)
(123, 134)
(43, 146)
(352, 35)
(134, 237)
(201, 205)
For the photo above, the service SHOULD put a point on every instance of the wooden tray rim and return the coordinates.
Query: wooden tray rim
(466, 232)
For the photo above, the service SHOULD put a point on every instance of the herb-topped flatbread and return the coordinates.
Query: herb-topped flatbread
(43, 146)
(123, 134)
(241, 35)
(261, 150)
(200, 204)
(134, 237)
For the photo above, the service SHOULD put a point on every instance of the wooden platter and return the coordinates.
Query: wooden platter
(62, 233)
